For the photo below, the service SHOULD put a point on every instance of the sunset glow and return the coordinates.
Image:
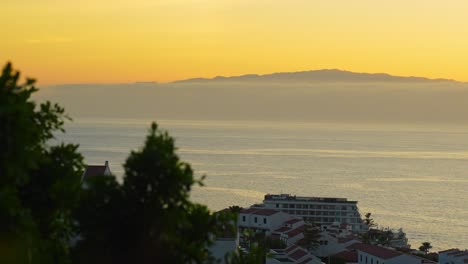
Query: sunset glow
(141, 40)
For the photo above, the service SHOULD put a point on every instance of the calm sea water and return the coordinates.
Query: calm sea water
(412, 177)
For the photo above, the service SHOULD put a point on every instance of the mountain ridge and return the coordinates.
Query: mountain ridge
(324, 75)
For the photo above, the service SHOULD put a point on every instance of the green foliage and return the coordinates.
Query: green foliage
(425, 247)
(274, 243)
(39, 184)
(235, 209)
(255, 255)
(156, 221)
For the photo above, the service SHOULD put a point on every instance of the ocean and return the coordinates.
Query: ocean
(413, 177)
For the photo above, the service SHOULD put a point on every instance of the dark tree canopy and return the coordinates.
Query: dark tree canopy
(39, 184)
(47, 215)
(157, 223)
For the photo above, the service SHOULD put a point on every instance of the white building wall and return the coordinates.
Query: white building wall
(448, 258)
(349, 215)
(364, 258)
(221, 247)
(266, 222)
(404, 259)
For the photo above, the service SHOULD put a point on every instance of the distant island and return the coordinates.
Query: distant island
(325, 75)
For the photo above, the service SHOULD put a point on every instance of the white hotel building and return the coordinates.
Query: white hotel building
(318, 210)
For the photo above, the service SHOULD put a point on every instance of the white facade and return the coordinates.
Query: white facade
(292, 255)
(261, 218)
(223, 246)
(331, 245)
(318, 210)
(453, 256)
(370, 254)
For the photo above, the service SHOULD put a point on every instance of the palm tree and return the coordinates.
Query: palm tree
(369, 221)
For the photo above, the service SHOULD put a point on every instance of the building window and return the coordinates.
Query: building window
(264, 220)
(255, 219)
(277, 205)
(243, 218)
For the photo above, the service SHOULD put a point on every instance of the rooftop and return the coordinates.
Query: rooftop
(349, 256)
(282, 229)
(306, 260)
(380, 252)
(96, 170)
(293, 221)
(288, 197)
(298, 254)
(291, 248)
(295, 232)
(259, 211)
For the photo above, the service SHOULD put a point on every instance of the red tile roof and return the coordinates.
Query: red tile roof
(248, 210)
(259, 211)
(298, 254)
(293, 221)
(295, 232)
(305, 261)
(448, 250)
(347, 239)
(282, 229)
(94, 170)
(349, 256)
(291, 248)
(266, 212)
(377, 251)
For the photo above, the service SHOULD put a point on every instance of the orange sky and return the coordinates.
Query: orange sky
(146, 40)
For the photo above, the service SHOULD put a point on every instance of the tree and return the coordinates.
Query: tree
(39, 183)
(157, 223)
(369, 221)
(255, 255)
(425, 247)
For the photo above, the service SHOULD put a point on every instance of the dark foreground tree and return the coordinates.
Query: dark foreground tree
(149, 218)
(39, 184)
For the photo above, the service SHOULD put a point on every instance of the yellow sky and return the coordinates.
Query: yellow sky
(82, 41)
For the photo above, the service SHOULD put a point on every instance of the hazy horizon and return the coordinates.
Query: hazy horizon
(315, 96)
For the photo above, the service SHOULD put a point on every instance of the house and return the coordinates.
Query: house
(350, 257)
(225, 241)
(292, 255)
(96, 170)
(222, 246)
(330, 244)
(453, 256)
(371, 254)
(270, 222)
(335, 238)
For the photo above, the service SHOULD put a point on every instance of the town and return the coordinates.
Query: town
(317, 230)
